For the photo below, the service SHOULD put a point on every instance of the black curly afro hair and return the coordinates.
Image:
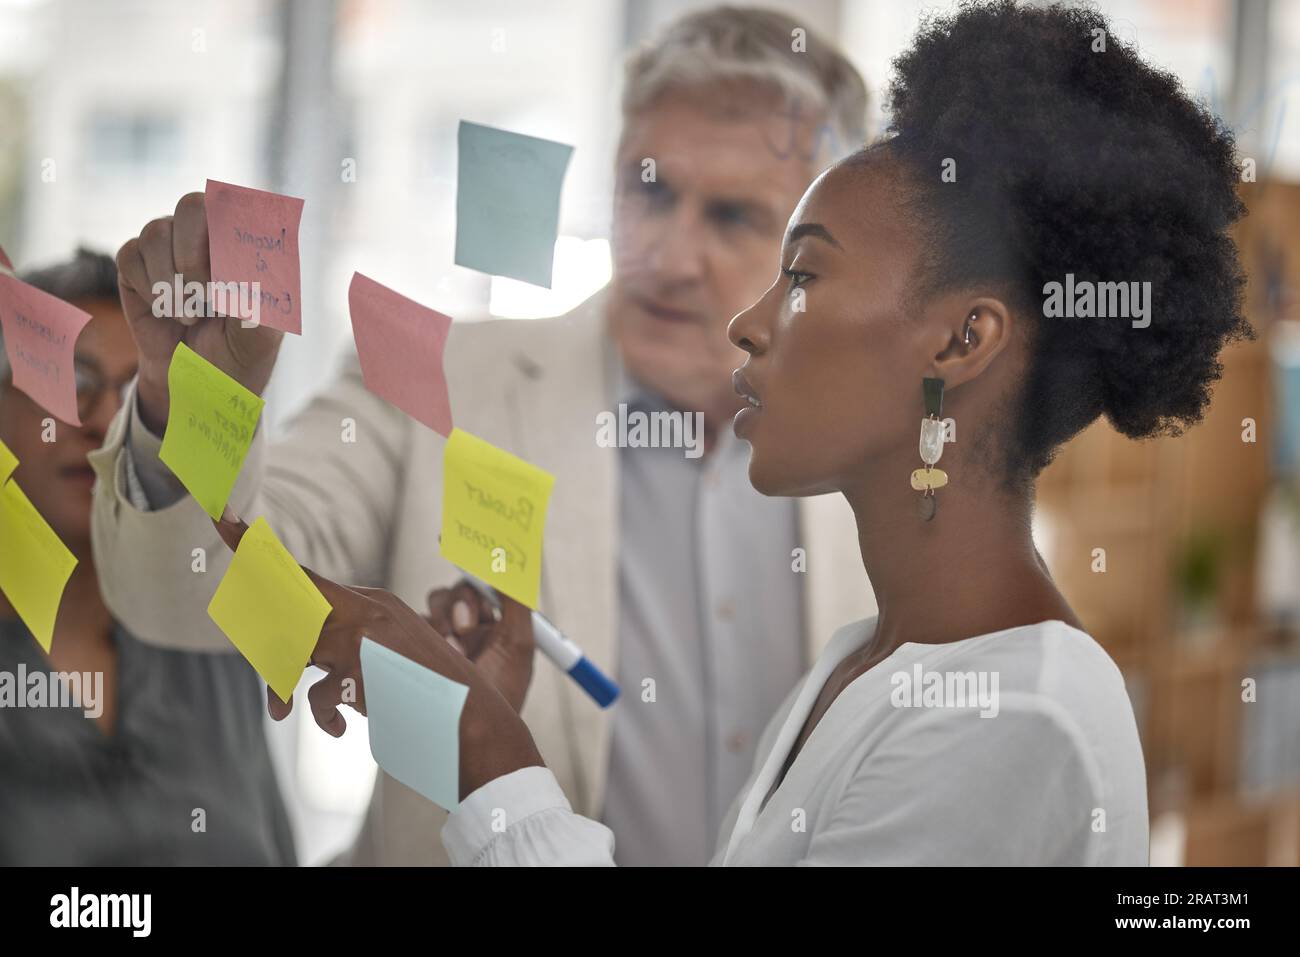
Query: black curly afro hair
(1073, 160)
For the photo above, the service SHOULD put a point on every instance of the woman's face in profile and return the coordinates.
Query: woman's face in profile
(835, 362)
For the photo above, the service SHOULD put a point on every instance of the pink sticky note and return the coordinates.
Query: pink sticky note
(5, 261)
(400, 343)
(253, 238)
(40, 336)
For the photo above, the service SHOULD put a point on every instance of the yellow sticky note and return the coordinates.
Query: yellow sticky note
(493, 514)
(34, 564)
(209, 428)
(8, 462)
(269, 609)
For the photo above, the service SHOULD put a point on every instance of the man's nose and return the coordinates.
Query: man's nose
(678, 248)
(107, 404)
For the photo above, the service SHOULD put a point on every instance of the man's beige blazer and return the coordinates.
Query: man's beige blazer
(367, 512)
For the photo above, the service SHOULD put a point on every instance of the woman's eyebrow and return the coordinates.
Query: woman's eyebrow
(812, 229)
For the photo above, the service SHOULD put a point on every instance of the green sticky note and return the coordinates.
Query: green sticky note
(493, 515)
(508, 202)
(209, 428)
(269, 609)
(34, 564)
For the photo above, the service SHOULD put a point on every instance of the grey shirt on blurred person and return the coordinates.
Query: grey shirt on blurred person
(188, 737)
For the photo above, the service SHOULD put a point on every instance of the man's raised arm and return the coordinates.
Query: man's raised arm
(331, 502)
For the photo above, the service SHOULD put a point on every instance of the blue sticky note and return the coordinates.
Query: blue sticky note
(414, 719)
(508, 202)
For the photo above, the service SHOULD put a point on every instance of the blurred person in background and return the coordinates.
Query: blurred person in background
(122, 780)
(671, 572)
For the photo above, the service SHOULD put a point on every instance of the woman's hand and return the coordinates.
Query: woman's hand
(499, 643)
(493, 739)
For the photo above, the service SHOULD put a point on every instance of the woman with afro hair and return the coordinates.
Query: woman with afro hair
(912, 355)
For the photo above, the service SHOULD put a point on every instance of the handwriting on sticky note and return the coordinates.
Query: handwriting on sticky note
(493, 515)
(209, 428)
(413, 716)
(269, 609)
(40, 333)
(400, 344)
(508, 202)
(34, 564)
(253, 238)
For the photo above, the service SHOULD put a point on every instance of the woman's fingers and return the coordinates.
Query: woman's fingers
(279, 710)
(338, 645)
(337, 648)
(231, 528)
(325, 696)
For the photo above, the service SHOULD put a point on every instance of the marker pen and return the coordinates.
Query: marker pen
(567, 656)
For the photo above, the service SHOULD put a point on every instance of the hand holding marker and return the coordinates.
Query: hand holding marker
(567, 656)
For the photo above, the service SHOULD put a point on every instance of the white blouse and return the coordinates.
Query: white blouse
(1017, 747)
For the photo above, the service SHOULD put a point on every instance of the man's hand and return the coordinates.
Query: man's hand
(500, 644)
(178, 246)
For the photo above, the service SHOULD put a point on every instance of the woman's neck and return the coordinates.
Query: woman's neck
(971, 570)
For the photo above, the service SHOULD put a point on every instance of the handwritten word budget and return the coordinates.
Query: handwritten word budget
(493, 515)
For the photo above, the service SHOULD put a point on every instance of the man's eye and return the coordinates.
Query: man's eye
(654, 192)
(728, 215)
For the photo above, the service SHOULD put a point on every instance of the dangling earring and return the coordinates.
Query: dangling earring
(928, 479)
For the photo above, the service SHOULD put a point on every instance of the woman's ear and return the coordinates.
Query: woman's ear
(977, 330)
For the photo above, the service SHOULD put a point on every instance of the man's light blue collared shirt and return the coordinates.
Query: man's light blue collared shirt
(710, 611)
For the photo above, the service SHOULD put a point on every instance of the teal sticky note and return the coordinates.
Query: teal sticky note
(414, 719)
(508, 202)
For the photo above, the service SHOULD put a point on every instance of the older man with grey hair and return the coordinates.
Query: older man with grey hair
(703, 598)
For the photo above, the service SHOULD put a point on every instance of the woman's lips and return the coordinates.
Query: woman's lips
(744, 418)
(745, 390)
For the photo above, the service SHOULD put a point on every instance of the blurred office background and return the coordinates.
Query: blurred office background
(112, 109)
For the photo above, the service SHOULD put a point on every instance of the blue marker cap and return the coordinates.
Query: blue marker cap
(603, 691)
